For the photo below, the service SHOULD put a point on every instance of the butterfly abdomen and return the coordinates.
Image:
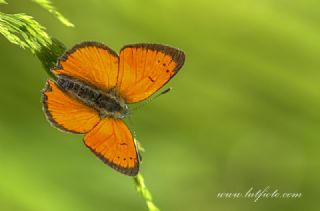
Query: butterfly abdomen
(105, 102)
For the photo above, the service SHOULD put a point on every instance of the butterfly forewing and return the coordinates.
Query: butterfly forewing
(91, 62)
(145, 68)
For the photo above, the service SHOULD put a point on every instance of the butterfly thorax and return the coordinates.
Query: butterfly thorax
(107, 103)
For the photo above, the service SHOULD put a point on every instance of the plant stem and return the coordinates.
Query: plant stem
(144, 191)
(48, 55)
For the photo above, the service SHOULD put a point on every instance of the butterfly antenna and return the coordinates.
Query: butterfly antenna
(151, 99)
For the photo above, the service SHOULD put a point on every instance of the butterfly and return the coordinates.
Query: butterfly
(93, 88)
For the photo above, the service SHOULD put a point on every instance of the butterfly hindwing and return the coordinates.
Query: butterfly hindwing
(112, 142)
(145, 68)
(67, 113)
(91, 62)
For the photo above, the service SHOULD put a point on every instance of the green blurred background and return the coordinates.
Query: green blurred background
(244, 111)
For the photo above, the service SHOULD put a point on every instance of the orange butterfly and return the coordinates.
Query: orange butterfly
(94, 86)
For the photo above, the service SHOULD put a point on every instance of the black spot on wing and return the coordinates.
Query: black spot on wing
(151, 79)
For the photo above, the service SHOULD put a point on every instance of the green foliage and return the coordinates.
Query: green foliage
(23, 30)
(3, 2)
(46, 4)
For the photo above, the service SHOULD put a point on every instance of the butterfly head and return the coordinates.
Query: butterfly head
(122, 112)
